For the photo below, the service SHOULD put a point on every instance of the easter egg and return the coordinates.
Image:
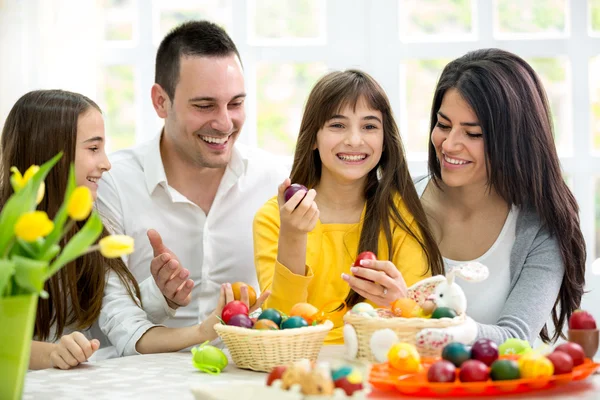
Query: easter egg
(271, 314)
(233, 308)
(237, 292)
(341, 372)
(473, 371)
(563, 362)
(441, 371)
(209, 359)
(574, 350)
(365, 255)
(294, 322)
(503, 370)
(405, 358)
(443, 312)
(275, 374)
(364, 309)
(292, 189)
(406, 307)
(514, 346)
(533, 365)
(304, 310)
(241, 320)
(350, 383)
(485, 351)
(456, 353)
(266, 325)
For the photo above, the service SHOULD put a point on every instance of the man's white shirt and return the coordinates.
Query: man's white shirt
(134, 196)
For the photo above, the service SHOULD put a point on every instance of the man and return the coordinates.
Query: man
(192, 184)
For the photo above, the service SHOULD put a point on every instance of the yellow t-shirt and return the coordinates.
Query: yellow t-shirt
(331, 251)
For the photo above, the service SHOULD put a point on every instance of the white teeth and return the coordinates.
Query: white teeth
(94, 180)
(453, 161)
(215, 140)
(352, 158)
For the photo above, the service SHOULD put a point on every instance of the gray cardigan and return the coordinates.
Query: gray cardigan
(536, 273)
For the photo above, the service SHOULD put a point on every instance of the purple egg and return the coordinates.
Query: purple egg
(485, 351)
(241, 320)
(292, 189)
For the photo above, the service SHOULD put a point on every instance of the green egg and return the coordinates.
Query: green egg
(294, 322)
(456, 353)
(209, 359)
(272, 314)
(503, 370)
(443, 312)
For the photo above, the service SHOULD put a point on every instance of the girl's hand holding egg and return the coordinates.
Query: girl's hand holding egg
(376, 280)
(298, 210)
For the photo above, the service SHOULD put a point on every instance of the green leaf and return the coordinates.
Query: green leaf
(21, 202)
(30, 274)
(7, 270)
(50, 253)
(61, 216)
(79, 243)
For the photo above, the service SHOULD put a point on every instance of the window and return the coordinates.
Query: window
(287, 45)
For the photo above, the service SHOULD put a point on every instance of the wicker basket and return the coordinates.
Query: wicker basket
(405, 328)
(261, 350)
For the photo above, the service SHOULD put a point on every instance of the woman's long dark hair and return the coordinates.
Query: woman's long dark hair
(41, 124)
(390, 178)
(522, 164)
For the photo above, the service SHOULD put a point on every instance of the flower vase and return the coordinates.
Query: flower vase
(17, 319)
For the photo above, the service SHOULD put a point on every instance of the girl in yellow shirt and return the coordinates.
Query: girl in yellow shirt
(348, 151)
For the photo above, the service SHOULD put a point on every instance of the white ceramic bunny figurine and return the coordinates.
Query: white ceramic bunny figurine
(449, 294)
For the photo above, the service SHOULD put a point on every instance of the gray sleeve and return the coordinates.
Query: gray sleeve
(530, 302)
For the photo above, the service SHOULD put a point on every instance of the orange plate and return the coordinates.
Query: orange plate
(385, 377)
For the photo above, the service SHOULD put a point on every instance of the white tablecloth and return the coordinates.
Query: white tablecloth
(171, 376)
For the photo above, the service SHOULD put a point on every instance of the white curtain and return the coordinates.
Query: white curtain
(47, 44)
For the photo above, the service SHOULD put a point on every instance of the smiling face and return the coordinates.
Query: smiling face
(90, 157)
(458, 142)
(207, 112)
(350, 143)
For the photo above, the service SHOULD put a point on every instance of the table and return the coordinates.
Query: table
(171, 375)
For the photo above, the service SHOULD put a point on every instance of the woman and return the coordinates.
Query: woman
(496, 195)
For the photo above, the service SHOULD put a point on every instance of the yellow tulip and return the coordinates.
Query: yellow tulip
(19, 181)
(33, 225)
(116, 246)
(80, 204)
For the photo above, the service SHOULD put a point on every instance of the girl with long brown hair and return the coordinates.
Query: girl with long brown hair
(40, 125)
(360, 198)
(496, 195)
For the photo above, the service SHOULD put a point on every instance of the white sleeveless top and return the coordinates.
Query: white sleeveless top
(486, 299)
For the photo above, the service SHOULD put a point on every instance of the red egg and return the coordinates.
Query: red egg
(582, 320)
(365, 255)
(441, 371)
(347, 386)
(233, 308)
(473, 371)
(292, 189)
(574, 350)
(485, 351)
(563, 362)
(275, 374)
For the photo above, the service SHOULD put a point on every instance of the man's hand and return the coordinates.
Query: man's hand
(170, 277)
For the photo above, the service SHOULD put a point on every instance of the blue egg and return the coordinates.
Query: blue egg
(340, 372)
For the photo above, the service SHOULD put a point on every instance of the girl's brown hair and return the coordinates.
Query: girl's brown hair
(522, 164)
(390, 178)
(41, 124)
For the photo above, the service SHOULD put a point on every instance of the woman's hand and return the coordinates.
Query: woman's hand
(72, 350)
(299, 215)
(382, 283)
